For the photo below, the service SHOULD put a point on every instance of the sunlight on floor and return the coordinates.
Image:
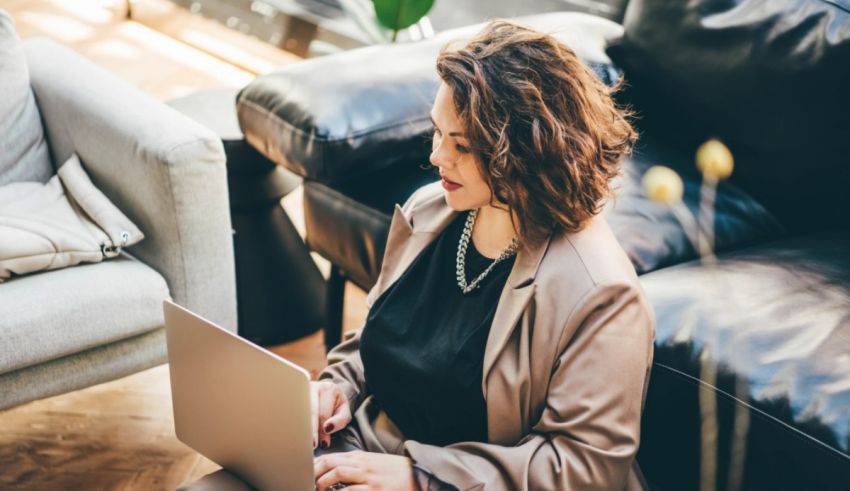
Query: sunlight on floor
(98, 30)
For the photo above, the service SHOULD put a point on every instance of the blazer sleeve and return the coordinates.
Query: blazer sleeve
(346, 369)
(588, 433)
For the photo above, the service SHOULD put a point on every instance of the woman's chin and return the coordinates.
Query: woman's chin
(453, 201)
(457, 203)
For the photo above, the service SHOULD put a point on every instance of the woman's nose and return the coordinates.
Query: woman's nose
(439, 160)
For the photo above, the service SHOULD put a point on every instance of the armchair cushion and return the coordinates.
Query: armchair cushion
(23, 152)
(344, 116)
(54, 314)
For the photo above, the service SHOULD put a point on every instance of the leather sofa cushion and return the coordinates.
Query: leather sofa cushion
(50, 315)
(769, 78)
(23, 150)
(339, 117)
(772, 322)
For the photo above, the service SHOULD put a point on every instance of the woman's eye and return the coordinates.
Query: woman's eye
(462, 149)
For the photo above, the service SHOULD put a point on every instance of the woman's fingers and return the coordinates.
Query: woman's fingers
(374, 470)
(327, 401)
(344, 474)
(341, 416)
(325, 463)
(331, 411)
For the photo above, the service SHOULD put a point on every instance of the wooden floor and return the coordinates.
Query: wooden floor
(119, 435)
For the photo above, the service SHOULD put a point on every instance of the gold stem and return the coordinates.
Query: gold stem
(739, 437)
(708, 416)
(688, 222)
(707, 197)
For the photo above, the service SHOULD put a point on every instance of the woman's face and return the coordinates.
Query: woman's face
(462, 181)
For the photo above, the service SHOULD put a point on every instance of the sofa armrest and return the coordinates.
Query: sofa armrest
(163, 170)
(352, 114)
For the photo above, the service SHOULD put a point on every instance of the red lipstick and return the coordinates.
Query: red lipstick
(450, 185)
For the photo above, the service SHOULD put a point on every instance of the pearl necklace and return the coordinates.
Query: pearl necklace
(460, 265)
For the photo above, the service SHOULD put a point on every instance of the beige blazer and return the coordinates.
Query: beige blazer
(565, 371)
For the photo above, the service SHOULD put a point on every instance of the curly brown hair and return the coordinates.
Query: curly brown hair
(546, 129)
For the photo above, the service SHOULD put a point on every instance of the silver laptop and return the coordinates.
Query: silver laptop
(239, 405)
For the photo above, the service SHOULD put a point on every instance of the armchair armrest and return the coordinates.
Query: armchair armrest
(163, 170)
(348, 115)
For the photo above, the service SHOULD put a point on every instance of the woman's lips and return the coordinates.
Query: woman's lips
(449, 185)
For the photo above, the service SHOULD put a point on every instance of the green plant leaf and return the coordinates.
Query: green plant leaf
(400, 14)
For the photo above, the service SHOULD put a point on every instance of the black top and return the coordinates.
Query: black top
(423, 343)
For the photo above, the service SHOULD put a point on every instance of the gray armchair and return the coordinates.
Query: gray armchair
(67, 329)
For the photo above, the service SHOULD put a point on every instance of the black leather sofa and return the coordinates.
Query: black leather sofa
(750, 388)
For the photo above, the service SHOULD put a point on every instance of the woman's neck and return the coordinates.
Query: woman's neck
(493, 231)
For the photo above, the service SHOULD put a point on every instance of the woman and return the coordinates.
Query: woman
(508, 341)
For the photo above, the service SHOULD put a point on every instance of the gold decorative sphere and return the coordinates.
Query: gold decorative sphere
(663, 185)
(715, 160)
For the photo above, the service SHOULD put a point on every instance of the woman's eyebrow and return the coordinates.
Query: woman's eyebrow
(451, 133)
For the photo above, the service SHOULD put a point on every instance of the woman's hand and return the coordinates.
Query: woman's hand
(330, 410)
(364, 471)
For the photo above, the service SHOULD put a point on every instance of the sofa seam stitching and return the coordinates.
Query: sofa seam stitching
(272, 116)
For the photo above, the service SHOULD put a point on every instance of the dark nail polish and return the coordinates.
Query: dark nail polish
(324, 445)
(329, 427)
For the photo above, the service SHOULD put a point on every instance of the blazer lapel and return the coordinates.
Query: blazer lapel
(513, 301)
(407, 238)
(512, 304)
